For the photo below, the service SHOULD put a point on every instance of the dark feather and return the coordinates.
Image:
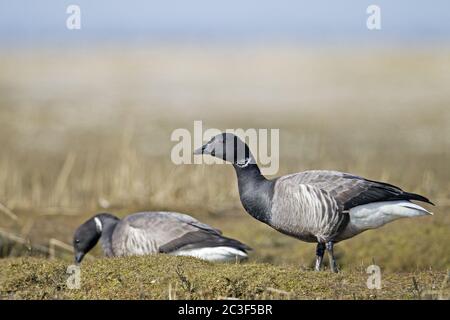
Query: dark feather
(202, 239)
(365, 191)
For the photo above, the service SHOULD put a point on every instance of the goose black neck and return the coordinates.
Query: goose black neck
(109, 223)
(255, 191)
(251, 171)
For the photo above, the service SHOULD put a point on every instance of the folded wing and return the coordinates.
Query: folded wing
(167, 232)
(351, 190)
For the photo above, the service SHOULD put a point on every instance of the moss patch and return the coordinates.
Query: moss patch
(168, 277)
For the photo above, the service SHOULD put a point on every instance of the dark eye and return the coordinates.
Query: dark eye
(77, 241)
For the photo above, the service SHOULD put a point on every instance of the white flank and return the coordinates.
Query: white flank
(214, 254)
(377, 214)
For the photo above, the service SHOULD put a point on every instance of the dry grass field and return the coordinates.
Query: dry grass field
(88, 130)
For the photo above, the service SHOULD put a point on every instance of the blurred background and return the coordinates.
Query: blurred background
(86, 115)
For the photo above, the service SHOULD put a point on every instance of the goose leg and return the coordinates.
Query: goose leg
(332, 259)
(320, 250)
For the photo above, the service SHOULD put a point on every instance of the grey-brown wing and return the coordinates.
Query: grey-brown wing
(201, 236)
(202, 239)
(192, 221)
(152, 232)
(351, 190)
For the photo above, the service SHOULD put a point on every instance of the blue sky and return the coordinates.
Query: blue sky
(295, 21)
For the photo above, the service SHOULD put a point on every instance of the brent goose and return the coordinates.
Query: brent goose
(156, 232)
(318, 206)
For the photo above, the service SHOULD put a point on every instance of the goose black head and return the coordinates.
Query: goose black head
(86, 237)
(228, 147)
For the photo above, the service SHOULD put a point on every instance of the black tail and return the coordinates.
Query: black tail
(418, 197)
(221, 241)
(228, 242)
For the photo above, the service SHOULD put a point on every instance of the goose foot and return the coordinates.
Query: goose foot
(332, 259)
(320, 250)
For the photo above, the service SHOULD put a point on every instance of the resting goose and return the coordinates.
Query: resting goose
(318, 206)
(156, 232)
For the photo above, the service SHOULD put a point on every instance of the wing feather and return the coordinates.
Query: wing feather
(351, 190)
(153, 232)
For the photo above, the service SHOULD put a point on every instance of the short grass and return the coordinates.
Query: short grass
(168, 277)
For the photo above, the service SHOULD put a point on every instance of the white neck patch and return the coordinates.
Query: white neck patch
(244, 163)
(98, 225)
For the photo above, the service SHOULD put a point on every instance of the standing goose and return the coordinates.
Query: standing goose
(156, 232)
(313, 206)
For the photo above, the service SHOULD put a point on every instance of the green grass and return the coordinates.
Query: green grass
(168, 277)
